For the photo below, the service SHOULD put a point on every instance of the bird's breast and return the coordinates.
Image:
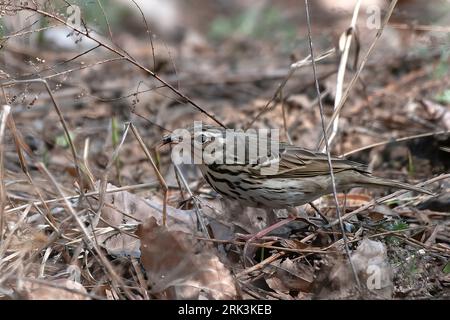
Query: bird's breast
(256, 191)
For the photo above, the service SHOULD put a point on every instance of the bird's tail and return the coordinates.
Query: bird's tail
(382, 182)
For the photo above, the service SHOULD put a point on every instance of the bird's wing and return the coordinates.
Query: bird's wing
(296, 162)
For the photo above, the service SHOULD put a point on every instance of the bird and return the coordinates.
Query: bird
(290, 176)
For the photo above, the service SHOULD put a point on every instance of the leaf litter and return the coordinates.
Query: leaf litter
(400, 247)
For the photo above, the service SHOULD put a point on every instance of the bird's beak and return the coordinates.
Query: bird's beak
(169, 139)
(166, 139)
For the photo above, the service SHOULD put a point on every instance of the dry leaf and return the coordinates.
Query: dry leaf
(437, 112)
(61, 289)
(373, 269)
(180, 267)
(290, 276)
(352, 200)
(124, 208)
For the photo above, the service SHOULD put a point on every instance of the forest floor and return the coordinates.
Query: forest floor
(83, 217)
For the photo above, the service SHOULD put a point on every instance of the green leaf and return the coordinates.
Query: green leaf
(115, 134)
(446, 269)
(62, 141)
(444, 97)
(400, 225)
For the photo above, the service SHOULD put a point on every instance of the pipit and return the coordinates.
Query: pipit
(281, 176)
(288, 177)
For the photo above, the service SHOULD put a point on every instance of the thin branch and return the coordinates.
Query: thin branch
(297, 65)
(21, 146)
(195, 201)
(283, 113)
(126, 57)
(395, 140)
(63, 123)
(62, 62)
(104, 181)
(358, 72)
(388, 197)
(148, 32)
(88, 194)
(160, 178)
(327, 148)
(23, 33)
(3, 120)
(349, 34)
(114, 276)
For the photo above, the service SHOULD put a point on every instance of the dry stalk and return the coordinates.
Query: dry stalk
(123, 55)
(160, 178)
(349, 34)
(3, 120)
(327, 149)
(352, 83)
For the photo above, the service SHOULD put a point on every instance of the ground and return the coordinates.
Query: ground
(83, 171)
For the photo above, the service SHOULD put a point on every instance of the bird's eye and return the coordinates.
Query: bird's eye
(202, 138)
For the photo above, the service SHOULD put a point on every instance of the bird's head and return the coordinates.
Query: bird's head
(206, 144)
(200, 140)
(197, 136)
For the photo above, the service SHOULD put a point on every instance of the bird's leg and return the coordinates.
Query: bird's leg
(292, 215)
(319, 213)
(260, 234)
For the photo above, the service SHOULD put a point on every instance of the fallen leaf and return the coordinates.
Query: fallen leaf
(352, 201)
(290, 276)
(60, 289)
(124, 208)
(180, 267)
(373, 270)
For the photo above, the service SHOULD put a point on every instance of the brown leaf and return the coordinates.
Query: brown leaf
(373, 269)
(437, 112)
(122, 208)
(352, 200)
(290, 276)
(181, 268)
(61, 289)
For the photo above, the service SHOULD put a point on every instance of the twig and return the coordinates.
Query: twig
(148, 32)
(141, 279)
(88, 194)
(413, 27)
(194, 199)
(260, 265)
(395, 140)
(23, 33)
(63, 123)
(327, 148)
(3, 120)
(62, 62)
(6, 242)
(267, 246)
(388, 197)
(104, 180)
(114, 277)
(358, 72)
(297, 65)
(285, 125)
(86, 66)
(349, 34)
(126, 57)
(20, 147)
(160, 178)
